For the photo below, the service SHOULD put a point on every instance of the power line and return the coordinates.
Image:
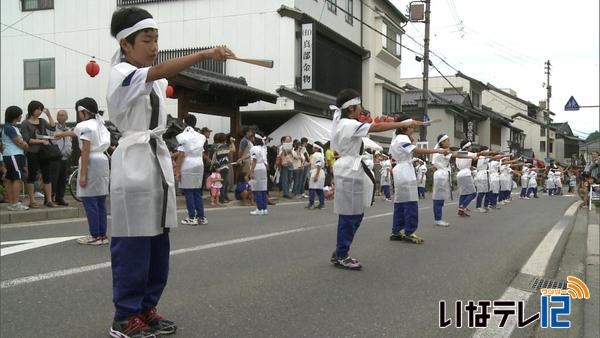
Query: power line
(16, 22)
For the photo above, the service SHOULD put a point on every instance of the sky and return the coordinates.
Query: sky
(506, 44)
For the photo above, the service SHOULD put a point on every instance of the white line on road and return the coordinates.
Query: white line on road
(28, 244)
(536, 265)
(72, 271)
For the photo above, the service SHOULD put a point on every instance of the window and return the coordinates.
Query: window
(121, 3)
(398, 47)
(350, 11)
(459, 127)
(384, 38)
(391, 102)
(35, 5)
(332, 6)
(542, 131)
(543, 146)
(476, 98)
(550, 146)
(39, 74)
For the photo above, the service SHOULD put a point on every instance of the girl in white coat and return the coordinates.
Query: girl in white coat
(316, 181)
(258, 175)
(354, 188)
(190, 170)
(406, 208)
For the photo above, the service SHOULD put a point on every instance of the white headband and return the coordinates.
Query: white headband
(444, 138)
(467, 145)
(80, 108)
(140, 25)
(352, 102)
(98, 117)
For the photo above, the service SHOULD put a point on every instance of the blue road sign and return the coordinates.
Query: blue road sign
(571, 104)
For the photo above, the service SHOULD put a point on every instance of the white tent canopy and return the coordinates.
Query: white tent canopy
(313, 128)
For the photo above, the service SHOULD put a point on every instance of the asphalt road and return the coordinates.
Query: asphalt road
(270, 276)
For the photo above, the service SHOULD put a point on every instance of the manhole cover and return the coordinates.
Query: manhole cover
(540, 283)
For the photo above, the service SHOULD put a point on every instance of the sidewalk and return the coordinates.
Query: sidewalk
(75, 209)
(592, 276)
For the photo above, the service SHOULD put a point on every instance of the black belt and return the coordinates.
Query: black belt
(371, 177)
(155, 104)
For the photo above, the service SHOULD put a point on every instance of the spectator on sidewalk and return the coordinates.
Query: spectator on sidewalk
(244, 150)
(66, 148)
(284, 161)
(224, 149)
(13, 156)
(39, 154)
(298, 167)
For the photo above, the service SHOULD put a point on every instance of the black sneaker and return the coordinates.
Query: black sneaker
(158, 323)
(397, 237)
(134, 327)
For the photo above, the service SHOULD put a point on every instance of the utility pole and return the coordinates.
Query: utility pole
(423, 134)
(547, 114)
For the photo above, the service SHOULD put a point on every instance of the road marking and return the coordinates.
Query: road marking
(29, 244)
(536, 265)
(77, 270)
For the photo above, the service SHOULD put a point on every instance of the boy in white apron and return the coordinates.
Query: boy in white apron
(406, 208)
(532, 184)
(93, 176)
(464, 179)
(386, 175)
(354, 186)
(506, 181)
(317, 178)
(258, 175)
(190, 170)
(421, 172)
(524, 181)
(142, 180)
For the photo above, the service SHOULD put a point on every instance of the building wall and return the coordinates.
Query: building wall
(502, 104)
(251, 29)
(437, 84)
(336, 21)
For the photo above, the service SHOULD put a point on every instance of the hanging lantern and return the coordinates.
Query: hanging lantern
(370, 120)
(362, 118)
(387, 119)
(170, 91)
(378, 119)
(92, 68)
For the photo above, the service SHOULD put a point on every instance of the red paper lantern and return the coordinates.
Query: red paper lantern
(92, 68)
(387, 120)
(378, 119)
(362, 118)
(170, 91)
(370, 120)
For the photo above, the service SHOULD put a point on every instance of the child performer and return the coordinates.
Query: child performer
(353, 183)
(406, 208)
(316, 181)
(464, 178)
(386, 175)
(94, 173)
(532, 184)
(524, 181)
(190, 170)
(506, 181)
(258, 174)
(421, 172)
(142, 192)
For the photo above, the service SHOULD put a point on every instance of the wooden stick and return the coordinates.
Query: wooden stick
(257, 62)
(432, 121)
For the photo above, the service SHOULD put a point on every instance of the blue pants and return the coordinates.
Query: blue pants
(465, 200)
(523, 192)
(480, 200)
(303, 180)
(140, 267)
(551, 192)
(438, 205)
(347, 226)
(95, 210)
(492, 199)
(386, 191)
(261, 199)
(193, 202)
(297, 173)
(532, 190)
(311, 197)
(421, 191)
(285, 176)
(504, 195)
(406, 216)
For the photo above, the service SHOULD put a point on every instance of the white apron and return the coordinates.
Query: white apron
(505, 178)
(532, 179)
(525, 178)
(353, 188)
(318, 161)
(259, 180)
(441, 177)
(464, 178)
(98, 175)
(482, 180)
(494, 177)
(136, 192)
(405, 180)
(191, 143)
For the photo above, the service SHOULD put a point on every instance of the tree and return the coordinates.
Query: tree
(593, 136)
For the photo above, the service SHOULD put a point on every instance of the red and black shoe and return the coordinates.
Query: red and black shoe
(463, 213)
(134, 327)
(158, 323)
